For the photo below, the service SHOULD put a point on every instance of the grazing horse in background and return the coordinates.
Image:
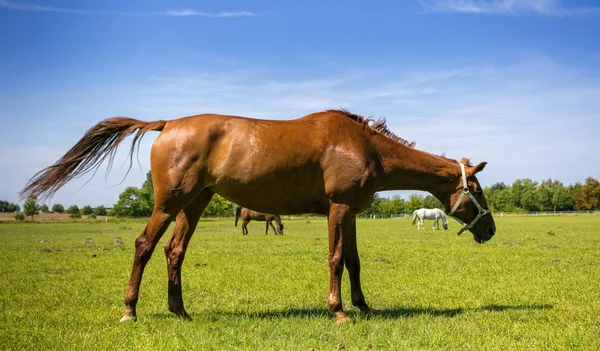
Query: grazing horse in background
(330, 162)
(247, 215)
(425, 213)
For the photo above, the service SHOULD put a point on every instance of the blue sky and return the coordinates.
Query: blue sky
(511, 82)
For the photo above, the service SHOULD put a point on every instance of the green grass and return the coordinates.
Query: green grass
(534, 286)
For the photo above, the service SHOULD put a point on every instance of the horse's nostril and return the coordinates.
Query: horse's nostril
(491, 231)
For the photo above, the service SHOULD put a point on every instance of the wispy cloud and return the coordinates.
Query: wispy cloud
(192, 13)
(38, 8)
(18, 6)
(507, 7)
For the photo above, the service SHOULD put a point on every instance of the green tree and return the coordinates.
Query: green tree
(136, 202)
(373, 208)
(387, 207)
(431, 201)
(587, 196)
(218, 207)
(87, 210)
(414, 202)
(129, 203)
(491, 193)
(147, 190)
(100, 211)
(562, 199)
(544, 196)
(58, 208)
(519, 187)
(74, 212)
(503, 200)
(529, 200)
(6, 206)
(30, 207)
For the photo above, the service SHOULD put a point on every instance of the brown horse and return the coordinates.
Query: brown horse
(329, 162)
(247, 215)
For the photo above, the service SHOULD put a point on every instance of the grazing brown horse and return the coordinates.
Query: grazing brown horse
(247, 215)
(329, 162)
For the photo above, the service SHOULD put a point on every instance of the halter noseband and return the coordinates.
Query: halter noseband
(467, 192)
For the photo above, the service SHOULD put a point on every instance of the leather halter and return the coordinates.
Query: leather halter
(467, 191)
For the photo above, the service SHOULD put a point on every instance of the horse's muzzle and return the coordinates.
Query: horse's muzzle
(490, 231)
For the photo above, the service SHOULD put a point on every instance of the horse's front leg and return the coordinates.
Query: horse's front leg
(338, 226)
(267, 228)
(353, 265)
(272, 226)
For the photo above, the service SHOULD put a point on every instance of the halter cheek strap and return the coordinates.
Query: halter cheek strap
(467, 192)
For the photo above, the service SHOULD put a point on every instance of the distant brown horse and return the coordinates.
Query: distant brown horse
(329, 162)
(247, 215)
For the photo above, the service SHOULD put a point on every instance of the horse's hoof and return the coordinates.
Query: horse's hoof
(341, 321)
(341, 318)
(184, 316)
(127, 319)
(366, 312)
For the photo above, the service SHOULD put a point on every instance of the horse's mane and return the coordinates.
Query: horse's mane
(378, 126)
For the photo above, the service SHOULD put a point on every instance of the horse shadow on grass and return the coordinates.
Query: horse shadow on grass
(389, 313)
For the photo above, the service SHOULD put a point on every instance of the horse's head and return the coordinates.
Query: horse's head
(279, 226)
(445, 225)
(468, 206)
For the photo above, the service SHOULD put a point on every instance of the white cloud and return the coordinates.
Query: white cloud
(175, 13)
(33, 7)
(541, 7)
(194, 13)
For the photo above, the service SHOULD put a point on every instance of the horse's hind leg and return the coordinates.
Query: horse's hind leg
(175, 248)
(352, 262)
(144, 246)
(245, 227)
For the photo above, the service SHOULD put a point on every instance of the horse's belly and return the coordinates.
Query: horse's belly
(272, 196)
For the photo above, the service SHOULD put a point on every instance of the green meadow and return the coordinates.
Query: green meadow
(534, 286)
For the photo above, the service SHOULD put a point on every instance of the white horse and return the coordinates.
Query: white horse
(425, 213)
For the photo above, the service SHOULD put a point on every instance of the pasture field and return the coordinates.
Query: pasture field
(534, 286)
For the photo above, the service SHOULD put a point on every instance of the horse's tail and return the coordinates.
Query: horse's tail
(414, 221)
(238, 214)
(98, 144)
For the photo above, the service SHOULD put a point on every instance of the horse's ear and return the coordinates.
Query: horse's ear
(478, 168)
(465, 161)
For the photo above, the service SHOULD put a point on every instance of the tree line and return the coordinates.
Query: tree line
(526, 195)
(523, 195)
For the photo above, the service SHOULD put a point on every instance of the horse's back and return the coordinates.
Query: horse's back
(300, 158)
(429, 213)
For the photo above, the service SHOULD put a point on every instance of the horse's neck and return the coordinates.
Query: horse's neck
(442, 215)
(408, 169)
